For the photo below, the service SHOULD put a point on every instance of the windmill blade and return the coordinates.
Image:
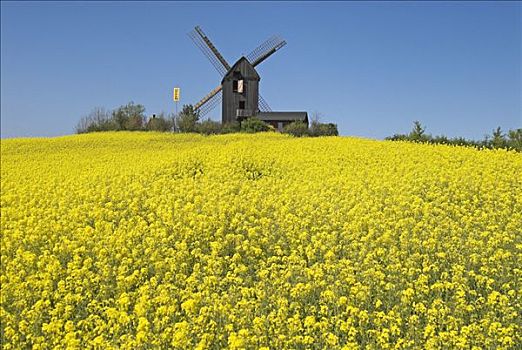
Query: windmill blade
(198, 41)
(208, 97)
(265, 50)
(263, 105)
(210, 104)
(252, 56)
(209, 50)
(212, 47)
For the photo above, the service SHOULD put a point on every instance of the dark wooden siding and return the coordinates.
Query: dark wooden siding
(242, 69)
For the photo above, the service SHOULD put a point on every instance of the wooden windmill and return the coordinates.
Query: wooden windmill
(239, 88)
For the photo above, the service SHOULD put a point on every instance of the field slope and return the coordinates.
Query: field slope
(145, 240)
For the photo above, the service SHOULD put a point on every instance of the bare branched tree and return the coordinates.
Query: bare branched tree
(97, 120)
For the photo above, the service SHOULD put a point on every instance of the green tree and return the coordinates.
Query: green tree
(296, 128)
(230, 128)
(98, 119)
(160, 123)
(253, 125)
(209, 127)
(129, 117)
(187, 119)
(417, 133)
(323, 129)
(498, 139)
(515, 139)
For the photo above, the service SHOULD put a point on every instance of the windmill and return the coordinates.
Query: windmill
(239, 88)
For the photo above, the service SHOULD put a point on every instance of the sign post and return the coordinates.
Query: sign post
(175, 97)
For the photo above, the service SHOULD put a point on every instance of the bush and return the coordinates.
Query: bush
(511, 140)
(230, 128)
(515, 139)
(323, 129)
(97, 120)
(129, 117)
(252, 125)
(187, 119)
(397, 137)
(160, 123)
(498, 139)
(296, 128)
(418, 132)
(209, 127)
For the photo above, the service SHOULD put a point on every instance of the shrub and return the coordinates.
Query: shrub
(397, 137)
(515, 139)
(160, 123)
(209, 127)
(498, 139)
(252, 125)
(129, 117)
(187, 119)
(323, 129)
(296, 128)
(97, 120)
(230, 128)
(511, 140)
(418, 132)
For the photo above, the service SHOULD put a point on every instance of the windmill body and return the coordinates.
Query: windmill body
(239, 88)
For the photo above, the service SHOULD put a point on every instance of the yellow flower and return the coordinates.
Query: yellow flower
(136, 240)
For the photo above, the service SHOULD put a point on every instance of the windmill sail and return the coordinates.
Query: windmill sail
(198, 41)
(207, 98)
(265, 50)
(210, 104)
(209, 50)
(263, 105)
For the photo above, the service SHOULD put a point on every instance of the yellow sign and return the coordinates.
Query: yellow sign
(176, 94)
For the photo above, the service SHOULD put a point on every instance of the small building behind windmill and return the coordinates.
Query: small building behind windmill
(280, 119)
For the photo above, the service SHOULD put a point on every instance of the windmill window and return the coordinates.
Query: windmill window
(241, 104)
(234, 85)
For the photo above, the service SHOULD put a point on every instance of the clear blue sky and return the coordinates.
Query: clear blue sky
(370, 67)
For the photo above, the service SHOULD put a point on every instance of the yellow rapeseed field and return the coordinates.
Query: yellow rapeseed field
(156, 241)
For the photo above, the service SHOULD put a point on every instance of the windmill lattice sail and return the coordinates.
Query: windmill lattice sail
(207, 52)
(210, 104)
(263, 105)
(207, 98)
(212, 47)
(265, 50)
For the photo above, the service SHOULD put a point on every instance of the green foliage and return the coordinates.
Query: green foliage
(253, 125)
(297, 129)
(230, 128)
(132, 117)
(187, 119)
(129, 117)
(417, 133)
(160, 123)
(498, 139)
(323, 129)
(97, 120)
(209, 127)
(515, 139)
